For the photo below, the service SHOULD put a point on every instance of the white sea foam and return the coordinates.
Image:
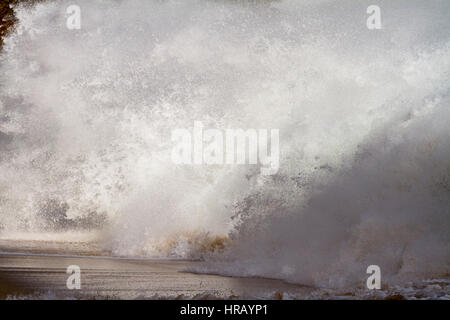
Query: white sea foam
(86, 118)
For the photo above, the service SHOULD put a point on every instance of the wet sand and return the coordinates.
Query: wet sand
(37, 276)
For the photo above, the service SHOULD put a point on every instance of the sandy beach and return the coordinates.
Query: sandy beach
(43, 275)
(223, 149)
(37, 270)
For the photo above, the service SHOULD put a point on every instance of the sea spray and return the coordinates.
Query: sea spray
(86, 117)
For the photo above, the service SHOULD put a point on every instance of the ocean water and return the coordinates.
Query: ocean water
(86, 118)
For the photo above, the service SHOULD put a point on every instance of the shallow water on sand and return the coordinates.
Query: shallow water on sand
(37, 270)
(39, 276)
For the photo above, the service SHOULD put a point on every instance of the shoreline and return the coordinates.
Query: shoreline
(43, 275)
(36, 276)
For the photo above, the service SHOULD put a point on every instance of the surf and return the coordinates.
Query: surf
(87, 117)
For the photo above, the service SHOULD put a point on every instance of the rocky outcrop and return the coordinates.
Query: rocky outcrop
(7, 17)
